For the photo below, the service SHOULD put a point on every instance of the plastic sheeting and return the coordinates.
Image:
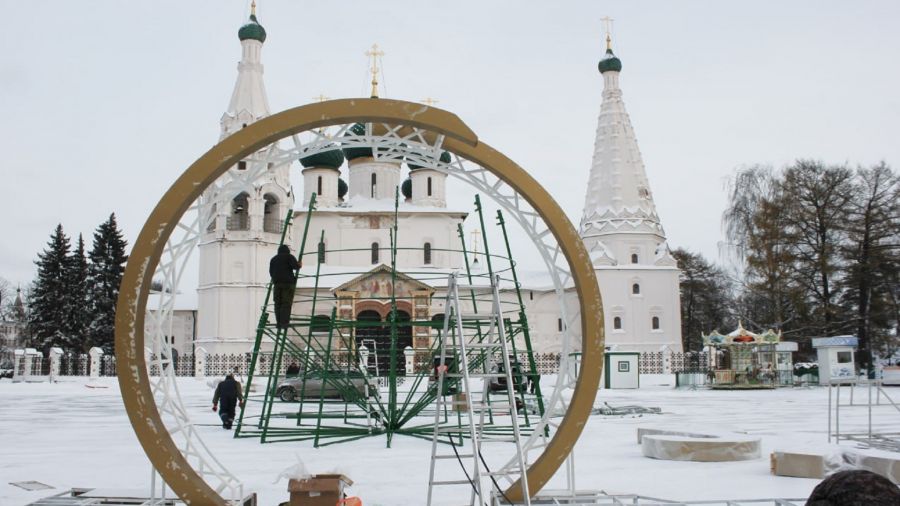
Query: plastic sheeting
(705, 449)
(821, 464)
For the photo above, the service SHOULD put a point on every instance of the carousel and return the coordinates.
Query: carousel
(744, 360)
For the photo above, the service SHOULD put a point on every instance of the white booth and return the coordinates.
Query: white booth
(620, 369)
(836, 357)
(890, 374)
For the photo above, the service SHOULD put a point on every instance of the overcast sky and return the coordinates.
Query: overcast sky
(105, 103)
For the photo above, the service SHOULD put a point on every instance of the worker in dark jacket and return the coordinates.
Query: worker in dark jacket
(229, 393)
(283, 268)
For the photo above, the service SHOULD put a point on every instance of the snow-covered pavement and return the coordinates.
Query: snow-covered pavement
(69, 435)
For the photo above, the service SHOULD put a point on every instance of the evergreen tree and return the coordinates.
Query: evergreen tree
(872, 253)
(706, 299)
(47, 310)
(105, 275)
(78, 312)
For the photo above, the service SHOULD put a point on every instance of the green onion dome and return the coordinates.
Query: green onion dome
(445, 157)
(610, 63)
(331, 159)
(252, 30)
(357, 152)
(406, 188)
(342, 188)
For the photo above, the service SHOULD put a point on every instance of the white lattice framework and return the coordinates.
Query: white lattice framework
(390, 143)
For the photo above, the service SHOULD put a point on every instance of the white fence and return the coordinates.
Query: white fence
(34, 365)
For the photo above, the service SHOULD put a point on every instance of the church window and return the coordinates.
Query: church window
(319, 186)
(636, 289)
(271, 221)
(212, 219)
(634, 258)
(374, 252)
(269, 203)
(242, 165)
(559, 325)
(530, 295)
(429, 186)
(374, 182)
(617, 323)
(437, 322)
(239, 219)
(321, 252)
(654, 322)
(427, 253)
(320, 323)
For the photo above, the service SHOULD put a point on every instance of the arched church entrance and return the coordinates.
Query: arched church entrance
(375, 335)
(404, 339)
(370, 335)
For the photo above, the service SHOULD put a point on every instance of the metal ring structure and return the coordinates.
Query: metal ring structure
(131, 363)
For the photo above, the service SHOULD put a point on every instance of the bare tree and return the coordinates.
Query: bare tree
(755, 225)
(7, 297)
(820, 252)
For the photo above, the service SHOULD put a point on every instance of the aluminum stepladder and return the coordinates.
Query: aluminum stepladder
(484, 353)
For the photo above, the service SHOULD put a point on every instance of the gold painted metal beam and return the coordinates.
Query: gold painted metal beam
(131, 366)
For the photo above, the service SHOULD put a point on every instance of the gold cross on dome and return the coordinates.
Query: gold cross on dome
(253, 8)
(608, 23)
(374, 53)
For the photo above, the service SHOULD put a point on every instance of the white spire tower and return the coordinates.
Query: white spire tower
(248, 100)
(621, 229)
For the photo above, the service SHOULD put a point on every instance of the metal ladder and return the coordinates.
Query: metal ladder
(483, 347)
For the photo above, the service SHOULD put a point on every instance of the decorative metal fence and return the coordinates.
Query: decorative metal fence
(651, 362)
(690, 362)
(108, 365)
(73, 364)
(238, 363)
(659, 362)
(79, 364)
(37, 366)
(546, 363)
(184, 364)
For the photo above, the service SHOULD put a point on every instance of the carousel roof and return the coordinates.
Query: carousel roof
(740, 335)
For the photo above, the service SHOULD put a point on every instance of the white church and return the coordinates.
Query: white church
(350, 233)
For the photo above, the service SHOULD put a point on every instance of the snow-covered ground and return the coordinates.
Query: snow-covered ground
(68, 435)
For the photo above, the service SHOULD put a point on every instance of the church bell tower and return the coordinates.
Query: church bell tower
(244, 214)
(622, 231)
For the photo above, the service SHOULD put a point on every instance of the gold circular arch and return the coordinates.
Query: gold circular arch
(131, 366)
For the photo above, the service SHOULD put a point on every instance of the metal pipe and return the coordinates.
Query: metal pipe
(829, 413)
(870, 412)
(837, 414)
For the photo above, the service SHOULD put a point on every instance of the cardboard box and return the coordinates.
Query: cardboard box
(459, 402)
(318, 490)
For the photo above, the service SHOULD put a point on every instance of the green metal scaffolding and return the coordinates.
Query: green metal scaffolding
(332, 392)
